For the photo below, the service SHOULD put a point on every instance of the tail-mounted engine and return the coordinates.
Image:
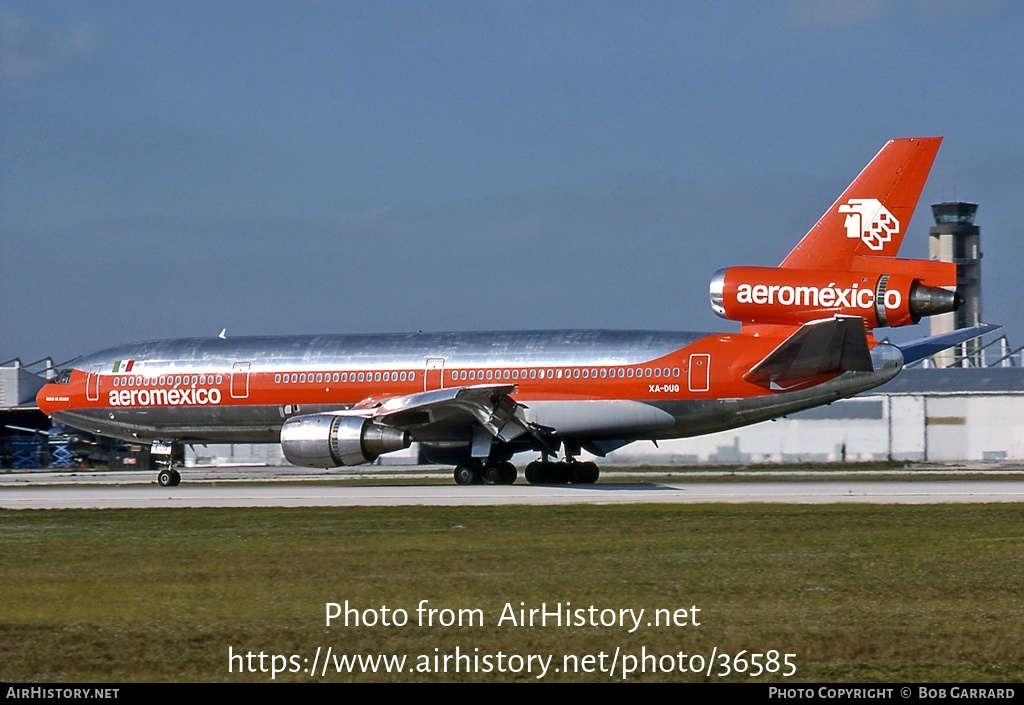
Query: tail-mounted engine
(328, 440)
(796, 296)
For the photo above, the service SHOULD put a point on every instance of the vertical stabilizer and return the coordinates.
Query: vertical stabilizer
(871, 217)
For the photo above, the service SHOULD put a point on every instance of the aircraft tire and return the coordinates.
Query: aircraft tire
(508, 473)
(561, 474)
(467, 475)
(541, 473)
(492, 475)
(165, 478)
(175, 478)
(584, 473)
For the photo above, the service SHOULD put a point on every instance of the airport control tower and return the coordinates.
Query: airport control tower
(955, 238)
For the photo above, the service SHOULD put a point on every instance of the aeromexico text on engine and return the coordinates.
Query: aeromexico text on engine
(826, 297)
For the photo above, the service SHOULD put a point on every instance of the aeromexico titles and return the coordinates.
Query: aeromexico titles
(475, 400)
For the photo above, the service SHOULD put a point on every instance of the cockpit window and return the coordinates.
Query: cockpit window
(63, 377)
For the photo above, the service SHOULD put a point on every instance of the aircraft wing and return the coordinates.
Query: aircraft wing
(451, 410)
(836, 344)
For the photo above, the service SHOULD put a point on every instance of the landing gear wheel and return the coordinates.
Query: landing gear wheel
(467, 475)
(541, 472)
(584, 473)
(168, 478)
(508, 473)
(492, 475)
(500, 474)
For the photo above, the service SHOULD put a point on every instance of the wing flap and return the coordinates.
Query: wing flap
(452, 410)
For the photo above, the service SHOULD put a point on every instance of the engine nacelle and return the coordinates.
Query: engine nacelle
(329, 440)
(796, 296)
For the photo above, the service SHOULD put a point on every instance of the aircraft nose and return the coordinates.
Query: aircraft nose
(52, 397)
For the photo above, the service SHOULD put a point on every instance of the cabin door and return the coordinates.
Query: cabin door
(240, 380)
(433, 377)
(92, 383)
(699, 375)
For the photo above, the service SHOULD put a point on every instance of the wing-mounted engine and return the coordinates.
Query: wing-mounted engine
(330, 440)
(793, 297)
(360, 435)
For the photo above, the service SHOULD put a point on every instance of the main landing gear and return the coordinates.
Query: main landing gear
(476, 472)
(545, 472)
(539, 472)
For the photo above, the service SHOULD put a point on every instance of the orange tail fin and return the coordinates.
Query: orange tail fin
(847, 264)
(871, 217)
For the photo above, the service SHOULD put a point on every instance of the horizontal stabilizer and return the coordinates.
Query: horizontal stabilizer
(827, 345)
(925, 347)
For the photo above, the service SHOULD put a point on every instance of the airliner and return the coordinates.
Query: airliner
(475, 400)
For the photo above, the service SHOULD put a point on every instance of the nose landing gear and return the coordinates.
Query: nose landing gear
(170, 456)
(168, 477)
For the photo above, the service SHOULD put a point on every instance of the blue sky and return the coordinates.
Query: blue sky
(171, 169)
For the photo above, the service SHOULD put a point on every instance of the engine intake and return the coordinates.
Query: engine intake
(328, 440)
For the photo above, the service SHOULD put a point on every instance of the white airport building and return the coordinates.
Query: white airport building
(931, 415)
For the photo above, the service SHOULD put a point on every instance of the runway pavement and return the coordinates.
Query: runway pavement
(293, 487)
